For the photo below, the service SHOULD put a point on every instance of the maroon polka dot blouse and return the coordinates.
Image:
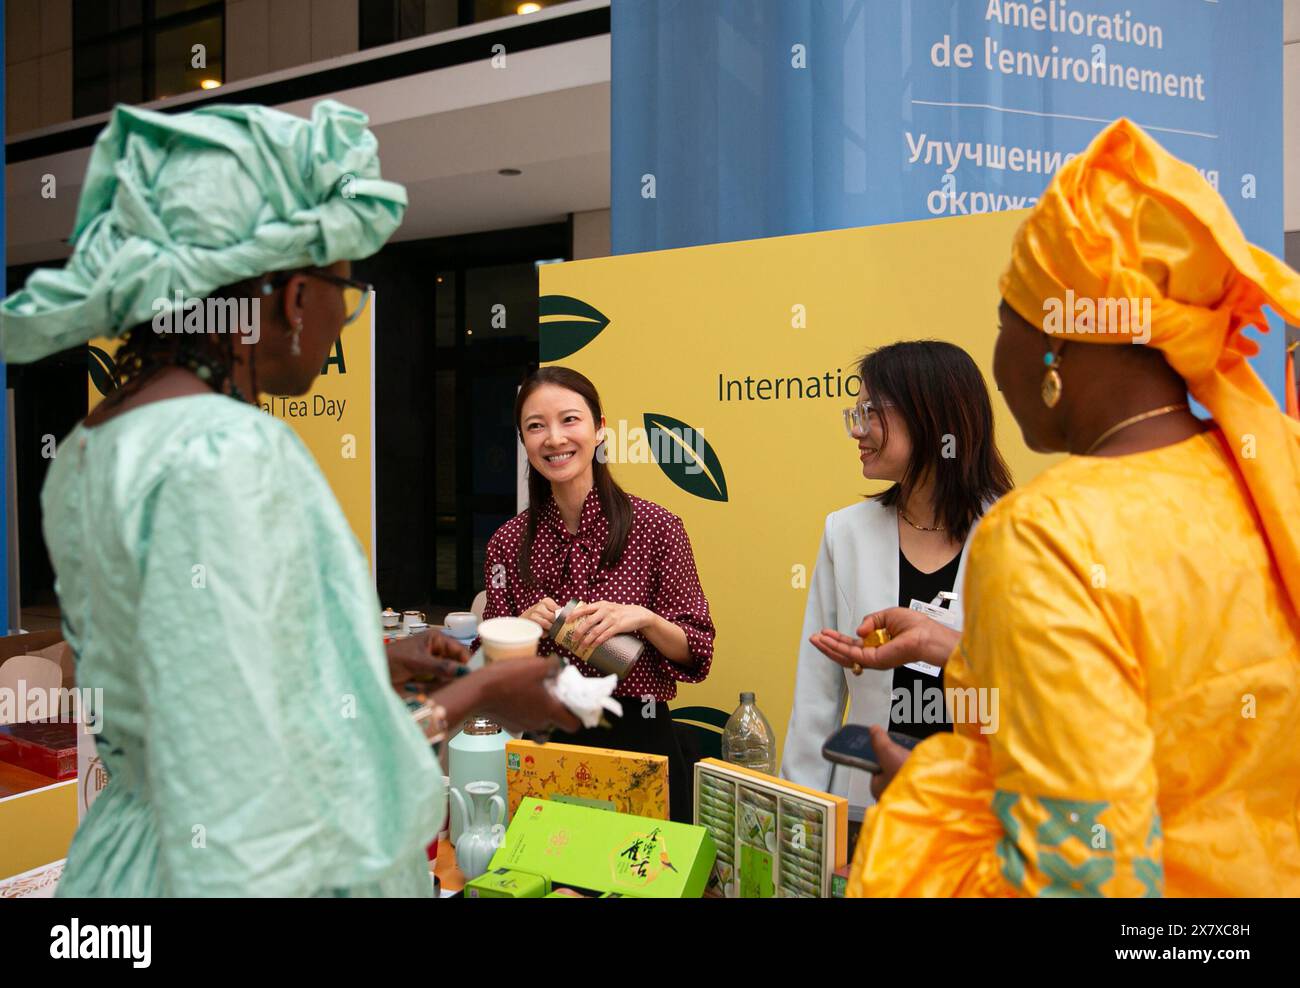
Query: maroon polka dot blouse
(657, 571)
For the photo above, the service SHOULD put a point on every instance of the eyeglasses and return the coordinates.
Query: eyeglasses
(857, 420)
(364, 287)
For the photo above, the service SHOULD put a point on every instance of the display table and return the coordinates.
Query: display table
(39, 883)
(38, 816)
(445, 868)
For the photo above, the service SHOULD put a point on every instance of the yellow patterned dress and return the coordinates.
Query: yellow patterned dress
(1146, 663)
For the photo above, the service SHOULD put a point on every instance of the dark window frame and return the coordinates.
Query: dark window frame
(456, 256)
(147, 31)
(372, 34)
(529, 34)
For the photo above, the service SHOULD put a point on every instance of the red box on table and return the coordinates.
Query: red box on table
(48, 748)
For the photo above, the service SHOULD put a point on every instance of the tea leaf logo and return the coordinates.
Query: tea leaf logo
(103, 370)
(561, 337)
(686, 457)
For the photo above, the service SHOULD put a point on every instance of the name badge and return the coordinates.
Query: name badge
(943, 616)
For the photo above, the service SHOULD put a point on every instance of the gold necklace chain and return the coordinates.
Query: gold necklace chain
(1163, 410)
(919, 528)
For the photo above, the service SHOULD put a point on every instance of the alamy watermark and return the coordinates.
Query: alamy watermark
(1106, 316)
(236, 316)
(623, 442)
(919, 704)
(56, 703)
(101, 941)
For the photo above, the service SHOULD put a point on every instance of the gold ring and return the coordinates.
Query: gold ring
(857, 669)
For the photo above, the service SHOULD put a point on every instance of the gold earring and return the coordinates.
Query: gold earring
(1052, 385)
(295, 344)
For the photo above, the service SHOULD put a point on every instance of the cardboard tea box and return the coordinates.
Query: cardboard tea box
(503, 883)
(607, 852)
(38, 814)
(774, 838)
(840, 883)
(622, 781)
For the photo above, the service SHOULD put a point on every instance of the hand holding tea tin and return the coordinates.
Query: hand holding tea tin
(579, 632)
(542, 613)
(888, 639)
(601, 620)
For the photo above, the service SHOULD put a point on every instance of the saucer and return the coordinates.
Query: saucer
(448, 632)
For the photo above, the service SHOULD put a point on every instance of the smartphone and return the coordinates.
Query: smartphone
(851, 745)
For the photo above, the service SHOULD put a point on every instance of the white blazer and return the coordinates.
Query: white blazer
(856, 575)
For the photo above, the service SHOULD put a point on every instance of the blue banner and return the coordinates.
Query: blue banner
(740, 119)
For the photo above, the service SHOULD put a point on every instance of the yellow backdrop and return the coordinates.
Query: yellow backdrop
(335, 419)
(655, 332)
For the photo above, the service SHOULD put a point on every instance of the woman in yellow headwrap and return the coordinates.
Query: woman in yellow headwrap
(1134, 607)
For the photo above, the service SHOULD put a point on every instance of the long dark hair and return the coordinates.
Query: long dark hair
(613, 499)
(940, 395)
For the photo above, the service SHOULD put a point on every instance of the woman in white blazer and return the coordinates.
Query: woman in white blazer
(924, 422)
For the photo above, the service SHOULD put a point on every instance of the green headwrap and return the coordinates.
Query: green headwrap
(193, 201)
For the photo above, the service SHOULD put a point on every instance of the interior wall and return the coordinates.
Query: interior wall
(268, 35)
(38, 64)
(591, 234)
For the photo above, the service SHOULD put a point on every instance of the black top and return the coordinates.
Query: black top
(914, 702)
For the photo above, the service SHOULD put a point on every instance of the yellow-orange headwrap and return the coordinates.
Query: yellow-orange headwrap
(1127, 220)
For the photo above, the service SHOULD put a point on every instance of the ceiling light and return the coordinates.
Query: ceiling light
(529, 8)
(210, 83)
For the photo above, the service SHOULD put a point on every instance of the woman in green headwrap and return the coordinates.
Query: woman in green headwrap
(208, 580)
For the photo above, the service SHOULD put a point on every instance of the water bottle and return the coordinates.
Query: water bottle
(748, 740)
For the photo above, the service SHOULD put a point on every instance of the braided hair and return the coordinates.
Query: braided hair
(210, 355)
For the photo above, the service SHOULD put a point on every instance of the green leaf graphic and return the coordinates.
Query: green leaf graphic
(562, 337)
(103, 370)
(686, 457)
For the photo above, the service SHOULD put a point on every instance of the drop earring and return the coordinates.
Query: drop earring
(1052, 384)
(295, 344)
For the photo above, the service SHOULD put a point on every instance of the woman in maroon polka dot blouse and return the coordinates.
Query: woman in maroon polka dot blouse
(627, 559)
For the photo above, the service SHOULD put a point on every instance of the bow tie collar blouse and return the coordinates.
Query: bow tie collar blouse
(657, 571)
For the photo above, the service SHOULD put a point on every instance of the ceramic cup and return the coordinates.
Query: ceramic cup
(509, 638)
(410, 618)
(462, 624)
(391, 619)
